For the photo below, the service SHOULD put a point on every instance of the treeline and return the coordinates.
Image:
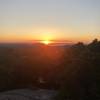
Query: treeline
(74, 70)
(81, 74)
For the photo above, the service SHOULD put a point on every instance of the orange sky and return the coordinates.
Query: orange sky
(59, 20)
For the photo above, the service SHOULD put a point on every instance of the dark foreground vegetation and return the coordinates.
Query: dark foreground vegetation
(74, 71)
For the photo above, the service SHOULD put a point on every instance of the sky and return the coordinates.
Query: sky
(71, 20)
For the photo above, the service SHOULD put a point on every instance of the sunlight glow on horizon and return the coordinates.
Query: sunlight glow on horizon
(30, 20)
(46, 42)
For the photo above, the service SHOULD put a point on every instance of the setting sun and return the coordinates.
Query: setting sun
(46, 42)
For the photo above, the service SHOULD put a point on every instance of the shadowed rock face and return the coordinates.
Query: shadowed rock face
(27, 94)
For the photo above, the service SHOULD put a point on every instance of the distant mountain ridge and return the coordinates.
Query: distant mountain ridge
(31, 45)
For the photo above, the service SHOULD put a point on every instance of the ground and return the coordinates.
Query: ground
(28, 94)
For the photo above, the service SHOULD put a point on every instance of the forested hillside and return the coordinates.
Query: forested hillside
(73, 71)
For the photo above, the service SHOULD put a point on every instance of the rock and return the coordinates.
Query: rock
(28, 94)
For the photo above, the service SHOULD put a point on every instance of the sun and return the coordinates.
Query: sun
(46, 42)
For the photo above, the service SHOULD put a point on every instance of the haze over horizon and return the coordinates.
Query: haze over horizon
(59, 20)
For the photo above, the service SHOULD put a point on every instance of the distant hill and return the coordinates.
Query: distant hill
(18, 45)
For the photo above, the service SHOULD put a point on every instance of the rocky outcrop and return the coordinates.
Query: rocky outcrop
(28, 94)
